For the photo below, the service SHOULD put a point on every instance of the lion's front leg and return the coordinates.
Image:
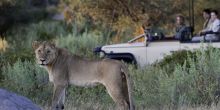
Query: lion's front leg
(58, 97)
(62, 99)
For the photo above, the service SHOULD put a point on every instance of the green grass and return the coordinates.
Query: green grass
(26, 34)
(26, 78)
(82, 44)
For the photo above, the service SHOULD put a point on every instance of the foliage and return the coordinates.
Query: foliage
(194, 83)
(179, 57)
(147, 12)
(27, 79)
(13, 12)
(4, 2)
(3, 45)
(82, 45)
(10, 57)
(44, 30)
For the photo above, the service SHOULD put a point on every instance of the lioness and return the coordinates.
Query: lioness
(65, 68)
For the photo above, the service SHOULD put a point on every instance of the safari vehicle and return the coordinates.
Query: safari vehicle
(145, 53)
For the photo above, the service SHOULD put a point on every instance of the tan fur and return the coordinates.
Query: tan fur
(65, 68)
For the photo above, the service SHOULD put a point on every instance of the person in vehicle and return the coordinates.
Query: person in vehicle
(206, 15)
(210, 33)
(181, 30)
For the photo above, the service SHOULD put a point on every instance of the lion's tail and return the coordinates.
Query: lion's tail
(124, 70)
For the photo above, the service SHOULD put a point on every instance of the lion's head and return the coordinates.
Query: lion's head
(45, 52)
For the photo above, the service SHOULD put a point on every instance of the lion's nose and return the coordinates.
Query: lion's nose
(42, 59)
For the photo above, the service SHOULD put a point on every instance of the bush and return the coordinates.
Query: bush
(192, 81)
(169, 62)
(44, 30)
(82, 44)
(14, 12)
(27, 79)
(12, 55)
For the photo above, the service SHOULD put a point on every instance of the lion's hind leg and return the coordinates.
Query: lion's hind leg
(116, 92)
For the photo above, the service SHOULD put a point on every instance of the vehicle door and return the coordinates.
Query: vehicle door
(158, 50)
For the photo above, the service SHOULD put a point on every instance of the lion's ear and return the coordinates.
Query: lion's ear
(53, 44)
(35, 44)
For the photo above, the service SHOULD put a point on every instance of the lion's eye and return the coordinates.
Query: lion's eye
(48, 51)
(39, 51)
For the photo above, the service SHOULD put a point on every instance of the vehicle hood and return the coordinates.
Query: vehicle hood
(124, 45)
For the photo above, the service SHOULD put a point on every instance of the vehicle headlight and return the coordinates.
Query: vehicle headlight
(102, 54)
(97, 49)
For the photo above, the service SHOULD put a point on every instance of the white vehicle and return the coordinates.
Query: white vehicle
(145, 53)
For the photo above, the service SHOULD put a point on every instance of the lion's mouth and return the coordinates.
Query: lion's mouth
(43, 63)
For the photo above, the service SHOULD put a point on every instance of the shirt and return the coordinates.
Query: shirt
(214, 27)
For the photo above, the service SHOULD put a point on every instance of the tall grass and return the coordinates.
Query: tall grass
(26, 78)
(25, 35)
(81, 44)
(195, 84)
(3, 45)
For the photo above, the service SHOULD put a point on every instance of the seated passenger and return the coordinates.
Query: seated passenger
(182, 31)
(211, 32)
(206, 16)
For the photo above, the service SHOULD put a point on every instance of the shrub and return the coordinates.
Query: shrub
(192, 80)
(179, 57)
(14, 12)
(82, 44)
(25, 34)
(27, 79)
